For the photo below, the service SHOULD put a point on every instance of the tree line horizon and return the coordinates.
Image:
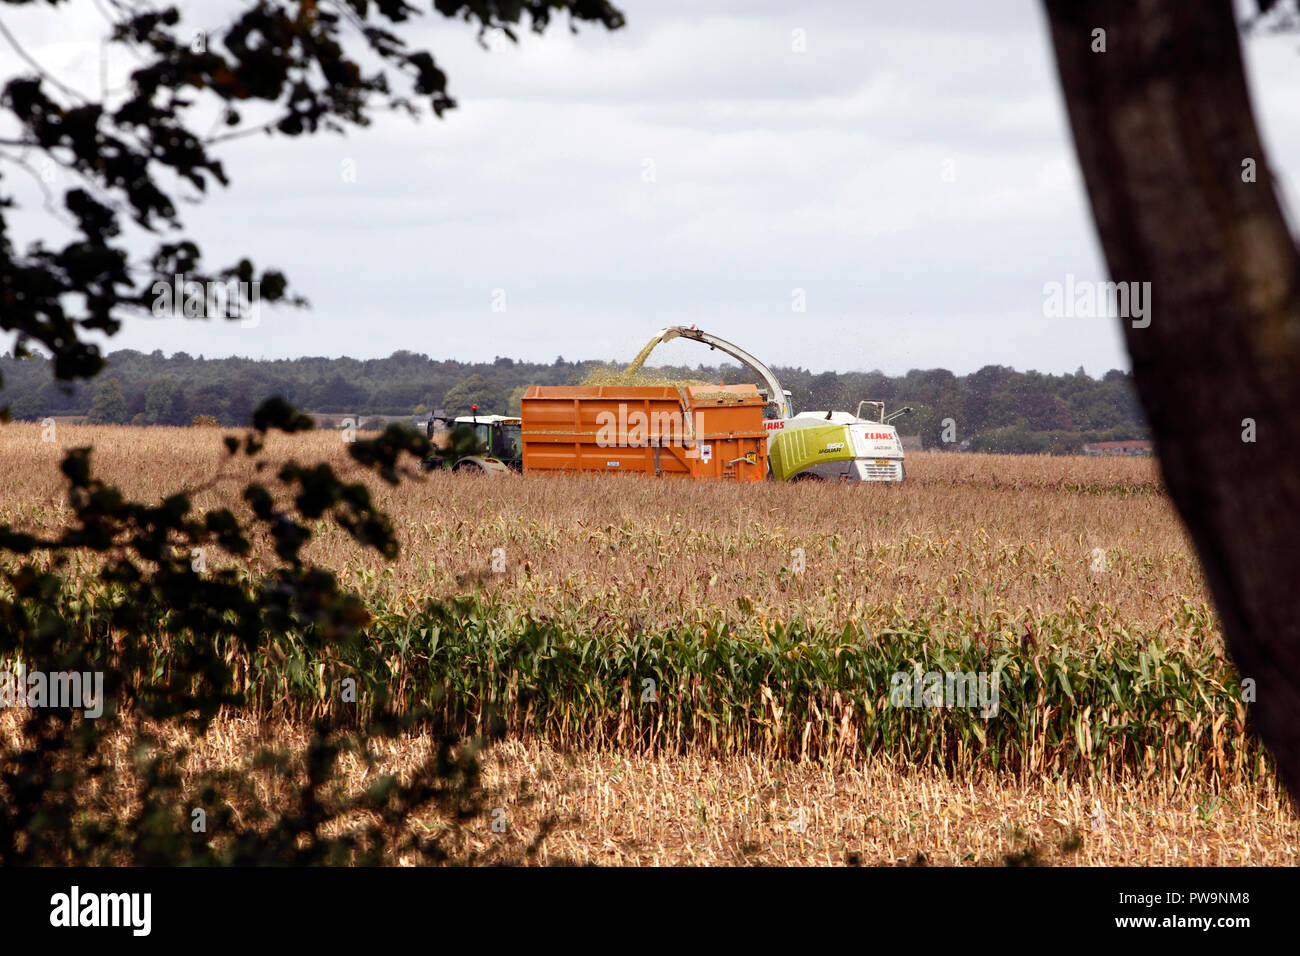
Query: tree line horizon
(996, 408)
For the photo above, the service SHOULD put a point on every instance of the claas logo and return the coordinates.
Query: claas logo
(751, 457)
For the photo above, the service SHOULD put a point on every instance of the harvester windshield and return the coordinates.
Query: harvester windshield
(773, 408)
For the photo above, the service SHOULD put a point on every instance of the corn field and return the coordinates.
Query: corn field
(662, 617)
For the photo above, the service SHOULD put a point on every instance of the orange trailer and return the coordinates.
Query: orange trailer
(690, 431)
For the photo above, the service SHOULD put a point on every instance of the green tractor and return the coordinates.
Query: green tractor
(475, 444)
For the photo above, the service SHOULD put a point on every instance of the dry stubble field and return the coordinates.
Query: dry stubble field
(1059, 552)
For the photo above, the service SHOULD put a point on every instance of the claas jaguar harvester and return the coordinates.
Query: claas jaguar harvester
(710, 431)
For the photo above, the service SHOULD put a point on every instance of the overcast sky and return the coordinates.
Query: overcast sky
(692, 168)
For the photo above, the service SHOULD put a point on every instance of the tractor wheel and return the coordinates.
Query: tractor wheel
(474, 465)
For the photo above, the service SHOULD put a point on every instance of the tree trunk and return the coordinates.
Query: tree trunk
(1163, 128)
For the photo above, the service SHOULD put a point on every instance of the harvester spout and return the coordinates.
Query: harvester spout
(775, 394)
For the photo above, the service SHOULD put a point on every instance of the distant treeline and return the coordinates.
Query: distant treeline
(994, 409)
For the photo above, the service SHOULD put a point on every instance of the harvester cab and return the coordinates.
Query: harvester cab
(875, 412)
(773, 410)
(474, 443)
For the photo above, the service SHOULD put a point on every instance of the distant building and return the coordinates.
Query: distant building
(1119, 448)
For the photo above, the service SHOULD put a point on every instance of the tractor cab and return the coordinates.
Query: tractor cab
(501, 435)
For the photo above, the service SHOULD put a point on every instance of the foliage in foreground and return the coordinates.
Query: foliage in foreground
(164, 645)
(285, 69)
